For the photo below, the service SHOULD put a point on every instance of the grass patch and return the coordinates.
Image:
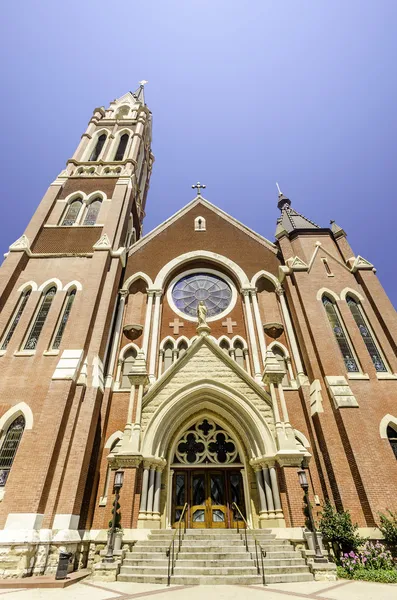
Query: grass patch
(376, 575)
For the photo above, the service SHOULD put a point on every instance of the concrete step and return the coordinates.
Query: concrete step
(216, 580)
(211, 570)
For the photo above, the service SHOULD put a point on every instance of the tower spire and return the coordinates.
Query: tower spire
(290, 219)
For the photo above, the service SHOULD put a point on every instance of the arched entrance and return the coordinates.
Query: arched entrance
(207, 476)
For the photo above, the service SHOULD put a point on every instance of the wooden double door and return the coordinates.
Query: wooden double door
(210, 494)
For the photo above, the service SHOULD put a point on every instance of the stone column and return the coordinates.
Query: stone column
(143, 505)
(148, 321)
(161, 361)
(261, 490)
(155, 333)
(169, 500)
(259, 325)
(283, 404)
(275, 404)
(116, 337)
(268, 492)
(247, 361)
(151, 490)
(276, 493)
(290, 332)
(157, 490)
(131, 404)
(251, 333)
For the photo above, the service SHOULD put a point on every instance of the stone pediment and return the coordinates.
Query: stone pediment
(204, 363)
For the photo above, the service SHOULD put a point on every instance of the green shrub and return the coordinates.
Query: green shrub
(388, 526)
(376, 575)
(338, 529)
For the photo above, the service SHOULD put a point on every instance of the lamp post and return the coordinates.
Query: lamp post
(118, 484)
(319, 557)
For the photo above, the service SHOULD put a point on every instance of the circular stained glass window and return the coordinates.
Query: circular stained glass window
(215, 292)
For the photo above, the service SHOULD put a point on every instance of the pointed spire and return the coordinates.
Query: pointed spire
(290, 219)
(139, 93)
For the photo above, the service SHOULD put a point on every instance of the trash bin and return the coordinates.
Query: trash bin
(63, 564)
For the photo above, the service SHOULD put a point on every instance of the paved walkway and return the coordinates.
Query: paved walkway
(321, 590)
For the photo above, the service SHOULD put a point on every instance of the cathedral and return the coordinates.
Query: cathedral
(202, 361)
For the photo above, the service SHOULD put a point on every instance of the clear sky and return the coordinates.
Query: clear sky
(243, 94)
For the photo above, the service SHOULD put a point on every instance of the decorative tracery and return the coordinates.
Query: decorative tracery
(206, 442)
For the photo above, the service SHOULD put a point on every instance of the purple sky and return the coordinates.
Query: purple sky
(243, 94)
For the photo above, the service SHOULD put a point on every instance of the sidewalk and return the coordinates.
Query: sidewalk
(316, 590)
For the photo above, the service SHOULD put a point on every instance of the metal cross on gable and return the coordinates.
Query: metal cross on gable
(199, 186)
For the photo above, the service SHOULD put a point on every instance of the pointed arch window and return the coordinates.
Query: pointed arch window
(121, 147)
(340, 335)
(129, 358)
(366, 334)
(45, 305)
(16, 318)
(225, 346)
(168, 355)
(239, 354)
(182, 347)
(64, 319)
(9, 447)
(392, 437)
(279, 354)
(72, 212)
(98, 147)
(92, 212)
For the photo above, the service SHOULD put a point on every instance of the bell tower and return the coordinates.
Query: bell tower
(58, 298)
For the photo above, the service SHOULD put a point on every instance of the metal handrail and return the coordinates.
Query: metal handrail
(257, 543)
(171, 548)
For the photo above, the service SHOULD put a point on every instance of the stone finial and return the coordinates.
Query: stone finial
(138, 374)
(274, 371)
(336, 230)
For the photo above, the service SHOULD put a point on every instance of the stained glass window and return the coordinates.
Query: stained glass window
(16, 317)
(366, 334)
(392, 437)
(40, 319)
(73, 212)
(64, 320)
(9, 447)
(121, 147)
(92, 212)
(191, 289)
(98, 148)
(340, 336)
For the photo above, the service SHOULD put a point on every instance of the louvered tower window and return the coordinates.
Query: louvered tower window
(121, 147)
(98, 147)
(392, 437)
(72, 212)
(366, 334)
(92, 212)
(340, 336)
(16, 318)
(64, 320)
(9, 447)
(33, 338)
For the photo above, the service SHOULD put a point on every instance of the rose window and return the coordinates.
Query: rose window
(206, 443)
(214, 291)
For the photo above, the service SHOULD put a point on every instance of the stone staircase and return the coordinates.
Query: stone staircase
(210, 557)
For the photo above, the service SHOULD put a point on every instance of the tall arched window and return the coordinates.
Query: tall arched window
(15, 318)
(182, 347)
(340, 335)
(9, 447)
(366, 334)
(98, 147)
(92, 212)
(121, 147)
(168, 355)
(129, 358)
(64, 319)
(72, 212)
(279, 354)
(33, 337)
(239, 353)
(392, 437)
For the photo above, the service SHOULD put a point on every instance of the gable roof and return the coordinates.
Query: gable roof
(219, 353)
(180, 213)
